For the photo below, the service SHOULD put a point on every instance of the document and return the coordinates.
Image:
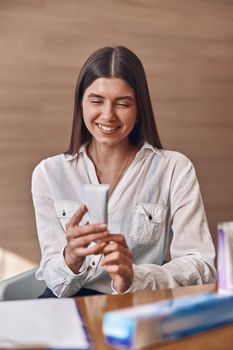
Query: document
(50, 323)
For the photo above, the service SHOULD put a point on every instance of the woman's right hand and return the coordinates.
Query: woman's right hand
(79, 238)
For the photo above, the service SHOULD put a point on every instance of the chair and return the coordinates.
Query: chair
(21, 286)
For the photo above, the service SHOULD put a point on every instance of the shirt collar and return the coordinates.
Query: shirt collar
(148, 147)
(145, 147)
(70, 157)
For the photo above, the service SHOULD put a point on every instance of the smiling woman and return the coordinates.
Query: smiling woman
(154, 193)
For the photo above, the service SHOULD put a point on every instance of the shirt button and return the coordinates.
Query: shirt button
(93, 263)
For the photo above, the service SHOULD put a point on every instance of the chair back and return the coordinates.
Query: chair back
(22, 286)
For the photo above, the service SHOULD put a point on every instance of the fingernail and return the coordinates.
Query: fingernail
(102, 226)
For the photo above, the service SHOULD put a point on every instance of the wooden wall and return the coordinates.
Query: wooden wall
(187, 51)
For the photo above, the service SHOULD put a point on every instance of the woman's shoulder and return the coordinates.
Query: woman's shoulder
(51, 163)
(172, 161)
(167, 155)
(175, 156)
(177, 164)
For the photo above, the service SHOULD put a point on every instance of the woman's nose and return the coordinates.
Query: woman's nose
(108, 113)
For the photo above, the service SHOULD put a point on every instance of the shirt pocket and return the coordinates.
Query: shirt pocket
(65, 210)
(148, 223)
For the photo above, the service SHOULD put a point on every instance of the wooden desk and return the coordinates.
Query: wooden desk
(92, 309)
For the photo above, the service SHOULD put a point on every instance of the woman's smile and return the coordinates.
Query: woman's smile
(107, 129)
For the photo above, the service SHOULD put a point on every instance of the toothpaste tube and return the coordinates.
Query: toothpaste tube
(225, 258)
(95, 197)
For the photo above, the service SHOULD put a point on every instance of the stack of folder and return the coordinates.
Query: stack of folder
(149, 324)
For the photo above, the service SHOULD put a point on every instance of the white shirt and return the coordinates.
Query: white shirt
(157, 199)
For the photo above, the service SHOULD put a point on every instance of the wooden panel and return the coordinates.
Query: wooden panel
(187, 51)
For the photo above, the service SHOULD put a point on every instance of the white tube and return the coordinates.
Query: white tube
(95, 198)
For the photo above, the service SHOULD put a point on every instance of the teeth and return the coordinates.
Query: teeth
(106, 128)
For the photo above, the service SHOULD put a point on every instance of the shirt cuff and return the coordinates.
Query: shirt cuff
(83, 269)
(141, 280)
(114, 291)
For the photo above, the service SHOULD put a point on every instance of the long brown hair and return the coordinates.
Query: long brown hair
(119, 62)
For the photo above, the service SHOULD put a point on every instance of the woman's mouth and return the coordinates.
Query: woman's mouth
(107, 128)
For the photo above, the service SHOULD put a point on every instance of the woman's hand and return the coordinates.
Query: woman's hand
(79, 237)
(117, 262)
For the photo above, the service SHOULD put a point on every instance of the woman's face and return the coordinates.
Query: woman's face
(109, 110)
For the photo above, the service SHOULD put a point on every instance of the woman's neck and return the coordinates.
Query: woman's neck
(106, 156)
(111, 162)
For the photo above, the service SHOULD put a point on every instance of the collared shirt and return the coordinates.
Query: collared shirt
(157, 205)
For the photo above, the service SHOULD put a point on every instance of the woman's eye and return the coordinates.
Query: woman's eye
(96, 101)
(124, 105)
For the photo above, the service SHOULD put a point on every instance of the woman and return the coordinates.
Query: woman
(154, 193)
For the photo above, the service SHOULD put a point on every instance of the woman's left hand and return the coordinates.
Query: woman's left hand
(117, 262)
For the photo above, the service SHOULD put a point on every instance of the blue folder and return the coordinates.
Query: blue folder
(149, 324)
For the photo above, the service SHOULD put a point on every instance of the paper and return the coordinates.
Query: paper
(51, 323)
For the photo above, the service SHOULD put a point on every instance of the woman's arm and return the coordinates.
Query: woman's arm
(192, 250)
(52, 238)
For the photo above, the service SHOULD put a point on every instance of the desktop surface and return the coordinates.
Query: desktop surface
(92, 309)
